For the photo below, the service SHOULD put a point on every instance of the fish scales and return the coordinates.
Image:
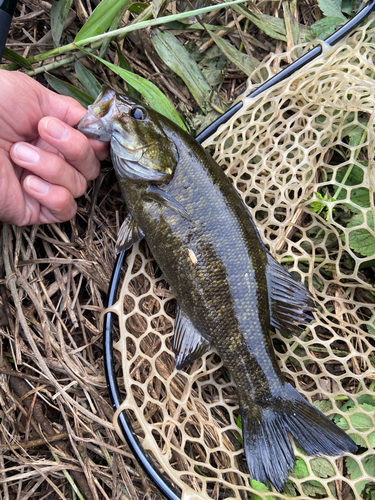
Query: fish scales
(225, 293)
(228, 287)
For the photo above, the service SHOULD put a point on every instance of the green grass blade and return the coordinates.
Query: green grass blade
(67, 89)
(155, 97)
(87, 79)
(244, 62)
(114, 25)
(101, 18)
(179, 60)
(156, 7)
(16, 58)
(272, 26)
(124, 64)
(59, 13)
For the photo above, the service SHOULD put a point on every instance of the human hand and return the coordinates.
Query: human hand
(44, 162)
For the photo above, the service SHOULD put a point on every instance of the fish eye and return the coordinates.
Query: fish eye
(138, 113)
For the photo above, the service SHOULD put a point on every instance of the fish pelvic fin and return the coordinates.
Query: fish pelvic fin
(188, 343)
(269, 453)
(129, 234)
(291, 303)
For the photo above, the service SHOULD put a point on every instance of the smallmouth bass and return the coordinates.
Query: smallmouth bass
(228, 287)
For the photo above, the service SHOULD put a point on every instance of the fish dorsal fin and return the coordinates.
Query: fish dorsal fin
(188, 343)
(156, 194)
(129, 234)
(291, 303)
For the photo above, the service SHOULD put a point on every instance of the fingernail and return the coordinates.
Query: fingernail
(25, 152)
(37, 184)
(56, 129)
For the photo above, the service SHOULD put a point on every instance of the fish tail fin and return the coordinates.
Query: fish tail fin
(265, 429)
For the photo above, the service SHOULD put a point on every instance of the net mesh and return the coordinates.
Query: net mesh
(301, 156)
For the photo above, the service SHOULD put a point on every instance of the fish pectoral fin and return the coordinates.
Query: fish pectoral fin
(291, 303)
(129, 234)
(166, 200)
(188, 343)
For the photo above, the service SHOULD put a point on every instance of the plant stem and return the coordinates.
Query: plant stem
(156, 22)
(56, 64)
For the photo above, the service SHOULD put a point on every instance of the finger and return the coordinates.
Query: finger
(56, 202)
(49, 167)
(73, 145)
(69, 111)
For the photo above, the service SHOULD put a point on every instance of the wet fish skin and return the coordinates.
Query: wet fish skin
(228, 287)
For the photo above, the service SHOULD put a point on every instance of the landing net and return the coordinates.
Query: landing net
(302, 157)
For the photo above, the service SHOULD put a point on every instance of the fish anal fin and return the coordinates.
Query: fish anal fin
(188, 343)
(291, 303)
(129, 234)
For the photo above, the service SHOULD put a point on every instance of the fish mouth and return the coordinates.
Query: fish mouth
(92, 127)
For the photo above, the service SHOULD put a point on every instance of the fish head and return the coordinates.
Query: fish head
(141, 149)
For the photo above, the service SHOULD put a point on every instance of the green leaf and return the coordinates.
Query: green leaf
(179, 60)
(87, 79)
(101, 18)
(357, 220)
(353, 468)
(355, 177)
(319, 206)
(300, 469)
(369, 465)
(16, 58)
(366, 400)
(361, 422)
(325, 27)
(213, 66)
(258, 486)
(114, 25)
(313, 488)
(324, 405)
(359, 441)
(59, 13)
(322, 467)
(331, 8)
(348, 7)
(124, 64)
(360, 196)
(156, 6)
(272, 26)
(362, 240)
(341, 422)
(65, 88)
(244, 62)
(156, 99)
(138, 7)
(371, 439)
